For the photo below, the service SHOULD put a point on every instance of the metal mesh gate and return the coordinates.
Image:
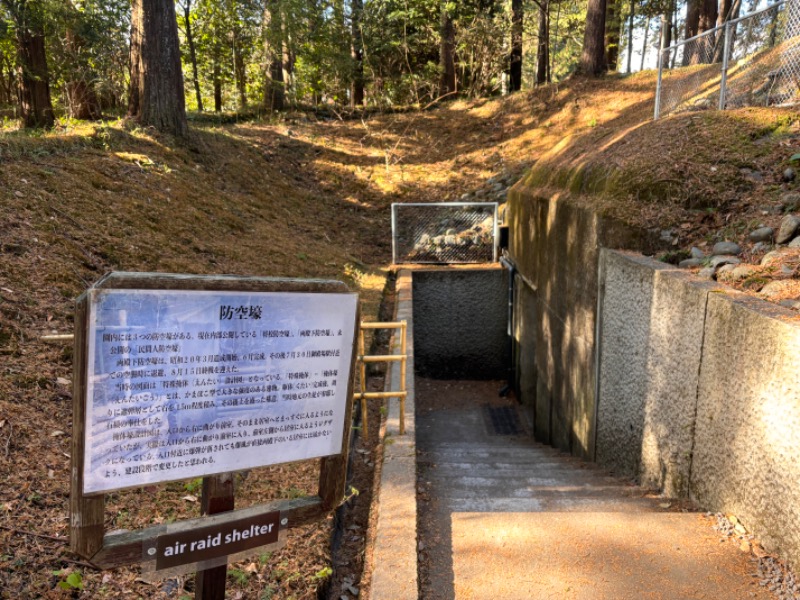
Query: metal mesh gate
(444, 232)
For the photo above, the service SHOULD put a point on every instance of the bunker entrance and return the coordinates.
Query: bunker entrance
(461, 323)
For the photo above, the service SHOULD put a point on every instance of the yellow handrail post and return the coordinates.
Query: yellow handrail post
(404, 354)
(402, 358)
(362, 352)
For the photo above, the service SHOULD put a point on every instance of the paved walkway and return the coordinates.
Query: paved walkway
(503, 517)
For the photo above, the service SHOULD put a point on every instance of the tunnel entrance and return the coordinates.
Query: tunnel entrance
(461, 323)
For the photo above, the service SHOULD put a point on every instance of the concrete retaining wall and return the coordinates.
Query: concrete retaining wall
(699, 395)
(554, 245)
(461, 317)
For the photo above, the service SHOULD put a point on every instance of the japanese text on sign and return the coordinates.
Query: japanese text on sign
(188, 383)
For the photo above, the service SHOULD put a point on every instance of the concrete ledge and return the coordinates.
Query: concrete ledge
(394, 557)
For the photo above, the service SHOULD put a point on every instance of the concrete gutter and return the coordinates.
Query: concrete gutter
(394, 557)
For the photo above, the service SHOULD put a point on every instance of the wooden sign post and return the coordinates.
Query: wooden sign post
(178, 377)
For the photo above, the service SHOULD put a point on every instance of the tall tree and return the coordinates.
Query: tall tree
(613, 23)
(357, 53)
(189, 33)
(666, 28)
(158, 71)
(515, 62)
(36, 107)
(691, 29)
(134, 99)
(447, 51)
(708, 15)
(274, 92)
(543, 47)
(631, 13)
(593, 56)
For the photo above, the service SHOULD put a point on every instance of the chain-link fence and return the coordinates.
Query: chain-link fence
(749, 61)
(444, 233)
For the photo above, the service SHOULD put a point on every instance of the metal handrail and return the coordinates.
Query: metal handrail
(363, 358)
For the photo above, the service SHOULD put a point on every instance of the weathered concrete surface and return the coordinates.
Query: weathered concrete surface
(394, 555)
(505, 517)
(651, 337)
(699, 395)
(462, 323)
(555, 245)
(524, 349)
(747, 449)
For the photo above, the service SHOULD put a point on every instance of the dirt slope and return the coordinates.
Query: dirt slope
(299, 197)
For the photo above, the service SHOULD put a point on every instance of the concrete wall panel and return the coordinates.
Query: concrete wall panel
(624, 338)
(651, 346)
(747, 449)
(525, 354)
(674, 353)
(555, 243)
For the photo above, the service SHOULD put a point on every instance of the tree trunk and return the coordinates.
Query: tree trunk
(543, 48)
(644, 43)
(666, 31)
(708, 15)
(239, 72)
(192, 52)
(630, 35)
(274, 93)
(612, 34)
(34, 92)
(593, 56)
(135, 58)
(357, 53)
(673, 7)
(289, 57)
(8, 79)
(692, 18)
(447, 53)
(160, 78)
(690, 54)
(217, 86)
(515, 62)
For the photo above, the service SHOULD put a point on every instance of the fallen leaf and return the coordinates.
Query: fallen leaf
(63, 381)
(251, 568)
(57, 433)
(190, 498)
(2, 423)
(665, 504)
(7, 290)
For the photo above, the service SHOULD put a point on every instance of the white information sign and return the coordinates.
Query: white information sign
(183, 384)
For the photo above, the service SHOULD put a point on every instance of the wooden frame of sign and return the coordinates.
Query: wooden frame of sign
(87, 512)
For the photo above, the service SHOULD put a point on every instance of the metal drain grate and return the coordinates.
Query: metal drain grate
(502, 420)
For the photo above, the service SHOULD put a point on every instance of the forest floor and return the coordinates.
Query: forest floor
(299, 196)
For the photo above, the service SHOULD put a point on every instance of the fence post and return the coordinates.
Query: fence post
(723, 82)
